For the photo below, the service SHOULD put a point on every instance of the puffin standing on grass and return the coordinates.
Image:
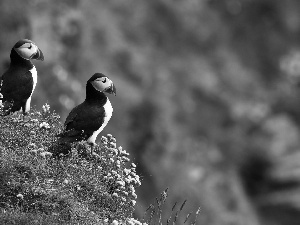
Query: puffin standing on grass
(18, 82)
(88, 119)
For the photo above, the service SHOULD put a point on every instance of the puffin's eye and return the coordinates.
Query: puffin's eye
(29, 46)
(104, 81)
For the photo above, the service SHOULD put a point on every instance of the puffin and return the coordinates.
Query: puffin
(18, 82)
(89, 118)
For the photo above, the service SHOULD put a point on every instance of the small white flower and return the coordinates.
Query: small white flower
(127, 180)
(115, 195)
(34, 151)
(126, 171)
(20, 196)
(44, 154)
(133, 202)
(44, 125)
(31, 145)
(46, 108)
(104, 139)
(113, 145)
(120, 182)
(134, 195)
(123, 152)
(66, 181)
(115, 222)
(125, 159)
(114, 151)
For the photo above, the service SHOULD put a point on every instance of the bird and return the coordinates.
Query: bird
(18, 82)
(89, 118)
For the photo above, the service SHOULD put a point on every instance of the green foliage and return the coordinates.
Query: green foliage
(89, 186)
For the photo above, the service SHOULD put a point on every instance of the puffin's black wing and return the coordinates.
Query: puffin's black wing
(82, 121)
(16, 87)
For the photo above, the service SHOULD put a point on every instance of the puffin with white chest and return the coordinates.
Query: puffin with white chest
(89, 118)
(18, 82)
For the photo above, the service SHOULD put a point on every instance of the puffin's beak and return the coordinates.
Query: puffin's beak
(38, 55)
(111, 89)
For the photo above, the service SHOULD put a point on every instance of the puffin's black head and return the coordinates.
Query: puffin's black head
(102, 83)
(28, 50)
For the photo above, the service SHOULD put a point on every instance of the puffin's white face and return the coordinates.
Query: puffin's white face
(103, 84)
(27, 50)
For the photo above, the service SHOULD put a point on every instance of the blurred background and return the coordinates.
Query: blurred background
(208, 100)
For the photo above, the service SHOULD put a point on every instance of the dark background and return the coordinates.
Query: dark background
(207, 94)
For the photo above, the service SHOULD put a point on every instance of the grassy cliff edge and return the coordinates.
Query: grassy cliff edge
(86, 187)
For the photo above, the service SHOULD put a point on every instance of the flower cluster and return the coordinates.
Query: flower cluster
(46, 108)
(121, 180)
(44, 125)
(104, 167)
(95, 183)
(34, 150)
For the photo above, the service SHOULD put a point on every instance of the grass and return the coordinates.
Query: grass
(153, 214)
(87, 186)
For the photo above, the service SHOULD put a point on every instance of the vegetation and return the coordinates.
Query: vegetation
(90, 185)
(82, 188)
(207, 95)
